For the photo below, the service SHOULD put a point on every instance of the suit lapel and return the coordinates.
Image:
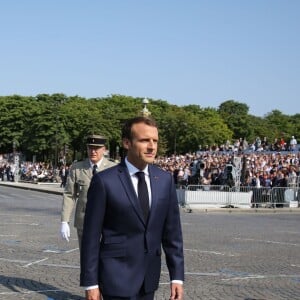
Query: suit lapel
(129, 190)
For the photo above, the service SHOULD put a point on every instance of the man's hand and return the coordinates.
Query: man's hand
(65, 230)
(93, 294)
(176, 291)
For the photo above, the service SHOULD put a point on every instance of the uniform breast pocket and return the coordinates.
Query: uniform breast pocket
(83, 187)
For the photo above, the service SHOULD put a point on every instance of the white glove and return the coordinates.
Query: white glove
(65, 230)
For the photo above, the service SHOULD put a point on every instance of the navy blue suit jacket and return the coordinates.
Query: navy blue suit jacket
(119, 250)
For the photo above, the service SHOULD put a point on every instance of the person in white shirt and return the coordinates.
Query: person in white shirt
(293, 143)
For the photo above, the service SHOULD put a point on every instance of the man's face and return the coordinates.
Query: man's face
(142, 148)
(95, 153)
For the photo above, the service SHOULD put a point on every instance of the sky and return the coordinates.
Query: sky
(201, 52)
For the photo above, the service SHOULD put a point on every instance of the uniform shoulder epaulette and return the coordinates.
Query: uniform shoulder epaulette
(75, 163)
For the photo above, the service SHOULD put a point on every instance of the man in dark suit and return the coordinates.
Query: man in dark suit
(122, 236)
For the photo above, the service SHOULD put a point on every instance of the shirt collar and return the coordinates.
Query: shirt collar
(132, 169)
(98, 163)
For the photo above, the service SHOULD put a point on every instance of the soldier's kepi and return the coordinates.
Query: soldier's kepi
(96, 140)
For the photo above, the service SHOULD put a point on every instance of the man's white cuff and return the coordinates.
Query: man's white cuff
(86, 288)
(177, 281)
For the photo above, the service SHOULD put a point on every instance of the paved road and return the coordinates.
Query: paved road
(229, 256)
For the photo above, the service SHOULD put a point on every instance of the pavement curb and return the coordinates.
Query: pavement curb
(50, 189)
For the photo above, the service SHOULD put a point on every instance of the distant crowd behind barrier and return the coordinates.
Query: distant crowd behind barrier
(33, 172)
(263, 168)
(272, 176)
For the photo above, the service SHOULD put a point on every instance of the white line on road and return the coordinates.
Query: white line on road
(61, 266)
(202, 274)
(28, 224)
(54, 251)
(13, 260)
(72, 250)
(210, 252)
(269, 242)
(30, 292)
(261, 277)
(293, 232)
(14, 215)
(197, 274)
(8, 235)
(35, 262)
(60, 251)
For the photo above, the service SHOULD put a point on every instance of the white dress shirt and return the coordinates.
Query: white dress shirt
(98, 164)
(134, 179)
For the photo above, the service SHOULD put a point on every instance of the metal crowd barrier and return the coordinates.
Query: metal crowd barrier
(276, 197)
(294, 181)
(223, 196)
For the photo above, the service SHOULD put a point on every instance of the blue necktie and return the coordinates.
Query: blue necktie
(143, 194)
(94, 169)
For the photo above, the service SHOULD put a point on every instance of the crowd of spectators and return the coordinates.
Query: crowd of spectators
(28, 171)
(34, 172)
(209, 168)
(37, 172)
(258, 145)
(260, 165)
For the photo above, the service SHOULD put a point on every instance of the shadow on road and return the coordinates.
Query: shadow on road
(22, 286)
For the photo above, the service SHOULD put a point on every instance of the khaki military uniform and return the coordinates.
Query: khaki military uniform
(75, 192)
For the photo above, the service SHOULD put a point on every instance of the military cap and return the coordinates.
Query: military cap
(95, 140)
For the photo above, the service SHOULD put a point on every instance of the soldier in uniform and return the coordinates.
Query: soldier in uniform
(78, 183)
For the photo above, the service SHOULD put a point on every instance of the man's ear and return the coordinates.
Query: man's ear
(126, 143)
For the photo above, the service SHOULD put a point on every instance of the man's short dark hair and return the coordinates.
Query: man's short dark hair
(126, 130)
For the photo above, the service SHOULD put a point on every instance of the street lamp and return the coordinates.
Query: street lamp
(175, 142)
(117, 152)
(16, 161)
(57, 127)
(145, 112)
(14, 148)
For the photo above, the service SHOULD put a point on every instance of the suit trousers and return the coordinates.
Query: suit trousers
(141, 296)
(149, 296)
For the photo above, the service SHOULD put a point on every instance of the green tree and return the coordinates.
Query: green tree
(45, 135)
(15, 113)
(207, 126)
(281, 124)
(235, 115)
(295, 123)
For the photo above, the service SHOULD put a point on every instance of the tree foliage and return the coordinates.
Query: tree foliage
(235, 115)
(51, 126)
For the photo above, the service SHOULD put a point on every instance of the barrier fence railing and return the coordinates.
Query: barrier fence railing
(294, 181)
(223, 196)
